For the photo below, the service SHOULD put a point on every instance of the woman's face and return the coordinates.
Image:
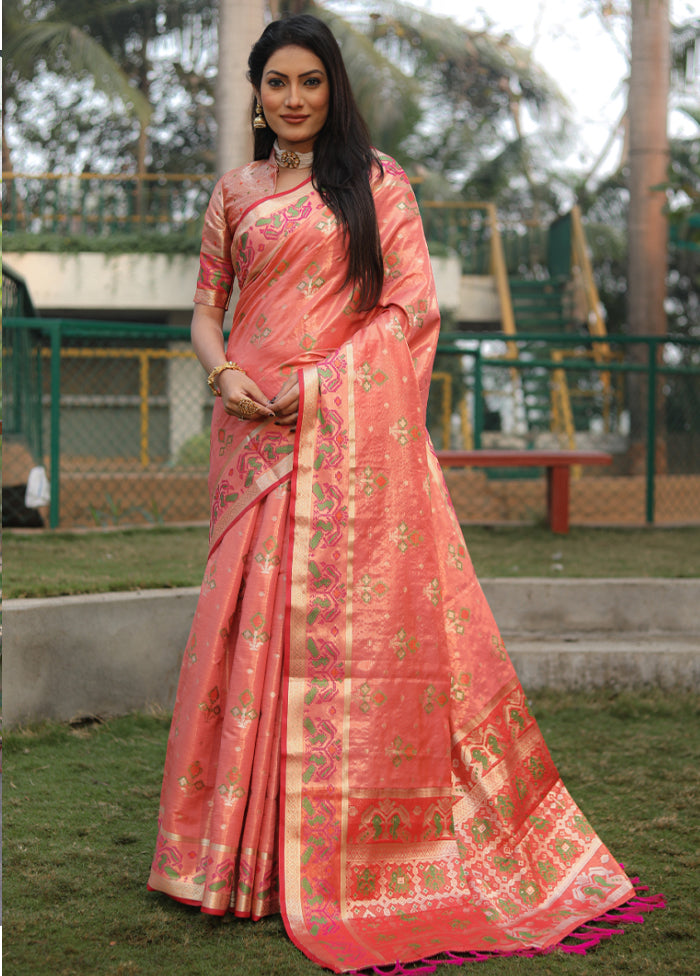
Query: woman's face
(295, 93)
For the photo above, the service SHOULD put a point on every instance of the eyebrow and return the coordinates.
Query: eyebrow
(313, 71)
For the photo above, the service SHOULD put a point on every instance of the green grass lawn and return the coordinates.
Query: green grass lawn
(57, 563)
(80, 809)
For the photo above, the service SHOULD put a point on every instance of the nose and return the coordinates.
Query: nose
(294, 95)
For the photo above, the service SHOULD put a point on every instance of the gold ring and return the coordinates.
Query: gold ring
(246, 408)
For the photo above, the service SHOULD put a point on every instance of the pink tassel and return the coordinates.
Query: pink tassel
(587, 936)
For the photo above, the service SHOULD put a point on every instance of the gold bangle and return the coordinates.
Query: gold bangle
(215, 372)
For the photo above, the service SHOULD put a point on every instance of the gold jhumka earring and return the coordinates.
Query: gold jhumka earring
(259, 120)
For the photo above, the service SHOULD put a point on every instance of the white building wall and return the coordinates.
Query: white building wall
(114, 284)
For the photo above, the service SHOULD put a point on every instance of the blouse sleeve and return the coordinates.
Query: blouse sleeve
(215, 266)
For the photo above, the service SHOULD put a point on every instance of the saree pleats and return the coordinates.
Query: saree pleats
(218, 833)
(350, 743)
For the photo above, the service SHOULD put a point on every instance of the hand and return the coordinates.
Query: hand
(286, 403)
(241, 396)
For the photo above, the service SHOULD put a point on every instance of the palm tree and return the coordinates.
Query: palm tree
(447, 92)
(477, 82)
(240, 25)
(57, 42)
(111, 43)
(648, 167)
(649, 159)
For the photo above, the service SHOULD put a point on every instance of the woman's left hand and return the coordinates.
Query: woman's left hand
(286, 403)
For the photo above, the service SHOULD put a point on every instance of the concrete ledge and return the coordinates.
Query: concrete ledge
(91, 281)
(111, 653)
(583, 662)
(105, 654)
(553, 606)
(66, 283)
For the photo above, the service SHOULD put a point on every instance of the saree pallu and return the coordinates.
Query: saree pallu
(348, 722)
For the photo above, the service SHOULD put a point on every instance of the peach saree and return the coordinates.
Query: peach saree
(350, 743)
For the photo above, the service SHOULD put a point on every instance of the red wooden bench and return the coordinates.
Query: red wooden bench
(557, 463)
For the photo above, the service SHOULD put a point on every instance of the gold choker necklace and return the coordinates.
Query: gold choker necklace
(292, 160)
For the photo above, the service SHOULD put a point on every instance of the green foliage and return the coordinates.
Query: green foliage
(394, 116)
(449, 95)
(149, 59)
(175, 242)
(51, 41)
(475, 85)
(194, 452)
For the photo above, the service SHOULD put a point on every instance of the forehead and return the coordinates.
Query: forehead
(293, 60)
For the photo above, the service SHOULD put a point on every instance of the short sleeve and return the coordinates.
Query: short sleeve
(215, 266)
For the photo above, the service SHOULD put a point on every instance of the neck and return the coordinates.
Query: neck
(289, 159)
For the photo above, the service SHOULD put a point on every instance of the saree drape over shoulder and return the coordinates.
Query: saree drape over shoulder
(350, 743)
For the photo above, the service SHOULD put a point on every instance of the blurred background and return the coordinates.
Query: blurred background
(554, 148)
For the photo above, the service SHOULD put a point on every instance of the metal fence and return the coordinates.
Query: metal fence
(98, 204)
(636, 398)
(119, 415)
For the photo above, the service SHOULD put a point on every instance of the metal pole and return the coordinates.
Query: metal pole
(55, 407)
(478, 399)
(40, 397)
(651, 432)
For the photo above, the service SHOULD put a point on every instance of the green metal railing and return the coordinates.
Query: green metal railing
(652, 370)
(112, 384)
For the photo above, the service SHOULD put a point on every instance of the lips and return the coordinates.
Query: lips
(294, 119)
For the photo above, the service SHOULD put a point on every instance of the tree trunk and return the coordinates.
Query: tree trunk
(648, 165)
(143, 140)
(240, 24)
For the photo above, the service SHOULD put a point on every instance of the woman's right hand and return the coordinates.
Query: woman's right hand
(286, 403)
(241, 396)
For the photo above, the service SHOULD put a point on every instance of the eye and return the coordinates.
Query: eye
(313, 82)
(275, 83)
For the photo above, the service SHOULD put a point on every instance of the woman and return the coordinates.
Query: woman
(348, 723)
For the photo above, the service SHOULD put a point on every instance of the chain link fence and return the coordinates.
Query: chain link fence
(118, 415)
(636, 398)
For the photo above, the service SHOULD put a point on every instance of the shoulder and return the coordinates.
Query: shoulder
(391, 185)
(390, 167)
(251, 175)
(254, 178)
(237, 189)
(389, 177)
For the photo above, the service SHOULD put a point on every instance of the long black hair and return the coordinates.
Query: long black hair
(343, 154)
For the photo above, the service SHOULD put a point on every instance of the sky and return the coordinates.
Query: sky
(575, 51)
